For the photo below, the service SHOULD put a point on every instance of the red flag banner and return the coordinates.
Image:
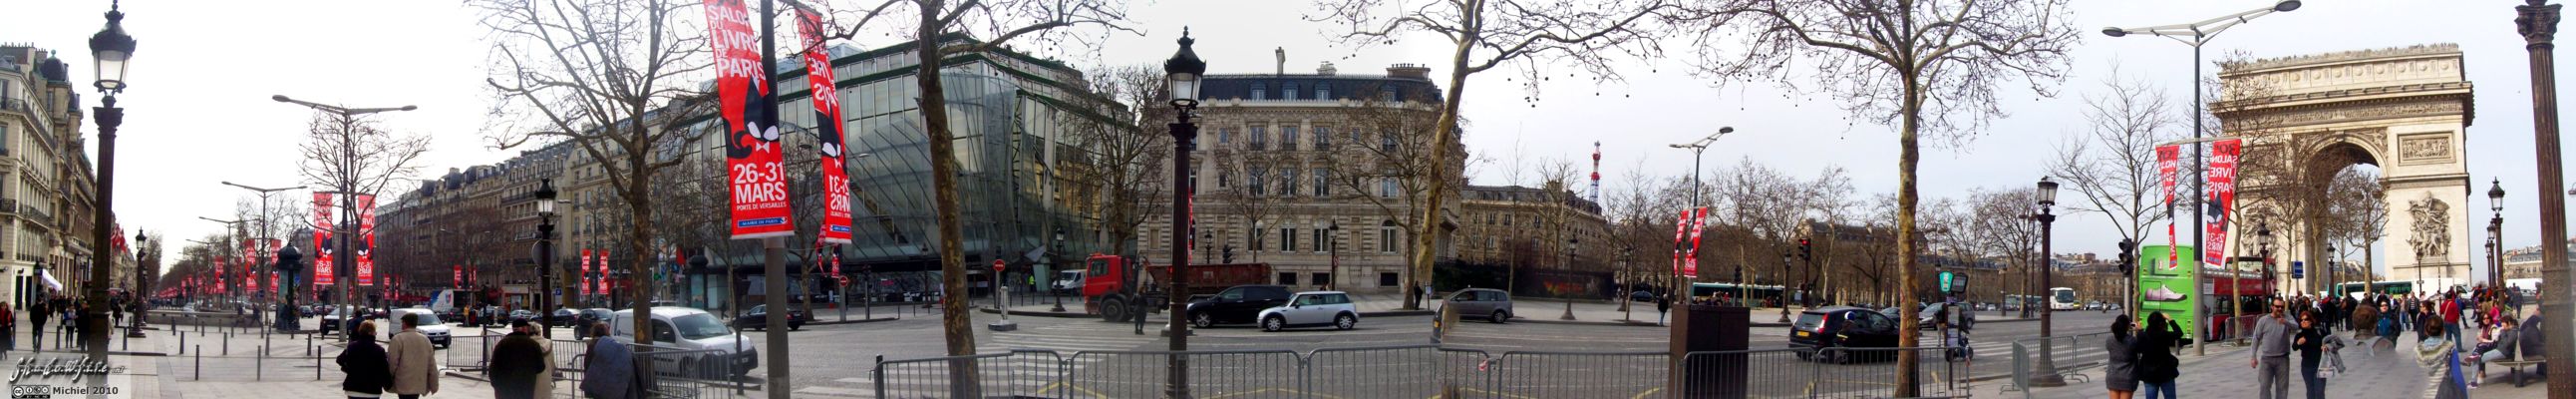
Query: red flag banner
(366, 244)
(586, 262)
(756, 180)
(460, 275)
(2167, 172)
(603, 272)
(827, 123)
(322, 247)
(1681, 229)
(1699, 223)
(2221, 199)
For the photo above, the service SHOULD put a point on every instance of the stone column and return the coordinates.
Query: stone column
(2538, 23)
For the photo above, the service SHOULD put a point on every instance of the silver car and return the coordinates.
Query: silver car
(1490, 304)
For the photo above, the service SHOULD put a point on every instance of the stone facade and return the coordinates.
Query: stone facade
(45, 178)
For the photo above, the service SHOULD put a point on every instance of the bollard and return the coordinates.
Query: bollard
(259, 365)
(228, 344)
(201, 363)
(183, 343)
(317, 360)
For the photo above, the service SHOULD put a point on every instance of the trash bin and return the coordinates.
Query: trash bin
(1710, 328)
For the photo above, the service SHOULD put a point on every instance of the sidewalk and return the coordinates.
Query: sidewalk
(2387, 370)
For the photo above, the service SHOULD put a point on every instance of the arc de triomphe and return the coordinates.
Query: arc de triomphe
(2309, 117)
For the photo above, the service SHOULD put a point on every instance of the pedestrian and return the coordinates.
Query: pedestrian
(367, 372)
(2120, 370)
(1663, 306)
(415, 365)
(2156, 368)
(2363, 316)
(2311, 343)
(609, 370)
(517, 363)
(2271, 360)
(8, 330)
(2436, 353)
(36, 314)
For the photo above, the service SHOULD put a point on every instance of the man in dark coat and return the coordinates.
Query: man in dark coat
(516, 360)
(609, 371)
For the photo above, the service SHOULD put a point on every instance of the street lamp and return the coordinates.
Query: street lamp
(2495, 229)
(1333, 276)
(1182, 79)
(1784, 287)
(545, 197)
(111, 49)
(2196, 35)
(1697, 148)
(2047, 195)
(134, 328)
(347, 190)
(1058, 252)
(1569, 266)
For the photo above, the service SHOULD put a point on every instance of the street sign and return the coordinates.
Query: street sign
(2298, 269)
(997, 265)
(1945, 282)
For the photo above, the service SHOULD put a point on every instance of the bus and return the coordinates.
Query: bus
(2062, 298)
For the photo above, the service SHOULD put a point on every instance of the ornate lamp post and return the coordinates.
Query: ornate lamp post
(1335, 248)
(545, 196)
(1697, 148)
(1059, 253)
(1182, 73)
(1569, 266)
(2495, 230)
(111, 48)
(2047, 368)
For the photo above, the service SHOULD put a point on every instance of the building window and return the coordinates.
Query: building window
(1386, 187)
(1287, 91)
(1260, 91)
(1387, 95)
(1323, 92)
(1256, 236)
(1386, 279)
(1287, 138)
(1225, 136)
(1287, 182)
(1224, 178)
(1194, 181)
(1323, 243)
(1386, 237)
(1287, 278)
(1323, 279)
(1386, 142)
(1323, 182)
(1260, 138)
(1255, 184)
(1287, 239)
(1323, 138)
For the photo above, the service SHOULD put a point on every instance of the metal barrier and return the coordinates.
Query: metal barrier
(1425, 371)
(2070, 355)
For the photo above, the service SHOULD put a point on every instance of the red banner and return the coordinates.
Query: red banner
(827, 123)
(460, 275)
(1681, 229)
(1690, 262)
(585, 272)
(2167, 167)
(756, 180)
(603, 272)
(366, 244)
(322, 247)
(2221, 198)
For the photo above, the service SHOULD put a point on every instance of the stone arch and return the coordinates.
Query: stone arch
(2405, 110)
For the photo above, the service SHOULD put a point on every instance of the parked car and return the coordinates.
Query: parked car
(712, 350)
(1235, 305)
(1641, 296)
(336, 320)
(562, 317)
(1484, 303)
(429, 324)
(521, 315)
(1312, 309)
(1842, 327)
(758, 319)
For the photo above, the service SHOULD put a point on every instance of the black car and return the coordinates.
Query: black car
(562, 317)
(1843, 327)
(587, 317)
(758, 319)
(1236, 305)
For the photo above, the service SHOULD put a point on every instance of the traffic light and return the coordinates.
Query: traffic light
(1229, 253)
(1806, 251)
(2128, 257)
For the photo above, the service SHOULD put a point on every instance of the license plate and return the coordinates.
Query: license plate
(1802, 334)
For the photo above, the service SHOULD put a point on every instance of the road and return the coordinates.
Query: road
(834, 360)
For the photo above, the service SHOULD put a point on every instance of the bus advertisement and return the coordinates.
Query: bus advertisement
(2165, 285)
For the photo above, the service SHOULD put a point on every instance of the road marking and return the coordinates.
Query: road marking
(834, 391)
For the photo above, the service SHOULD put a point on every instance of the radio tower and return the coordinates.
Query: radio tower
(1596, 173)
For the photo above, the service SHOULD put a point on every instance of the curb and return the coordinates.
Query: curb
(1072, 315)
(1629, 323)
(852, 321)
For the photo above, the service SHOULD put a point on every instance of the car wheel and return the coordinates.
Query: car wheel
(794, 327)
(1273, 323)
(1202, 320)
(1346, 321)
(1499, 317)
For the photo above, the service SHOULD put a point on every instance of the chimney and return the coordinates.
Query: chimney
(1412, 71)
(1282, 53)
(1326, 70)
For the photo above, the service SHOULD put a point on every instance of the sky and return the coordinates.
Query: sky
(198, 111)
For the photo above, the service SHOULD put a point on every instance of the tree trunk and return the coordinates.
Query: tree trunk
(640, 233)
(1905, 232)
(959, 327)
(1425, 246)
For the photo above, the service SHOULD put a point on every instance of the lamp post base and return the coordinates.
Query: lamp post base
(1005, 325)
(2044, 372)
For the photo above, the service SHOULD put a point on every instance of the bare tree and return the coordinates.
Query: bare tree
(1121, 178)
(1928, 66)
(1393, 169)
(1484, 34)
(1250, 197)
(614, 77)
(350, 154)
(2112, 165)
(1999, 226)
(2358, 206)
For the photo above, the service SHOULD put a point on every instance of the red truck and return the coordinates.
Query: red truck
(1108, 288)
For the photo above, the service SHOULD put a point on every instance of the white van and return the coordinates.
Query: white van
(709, 349)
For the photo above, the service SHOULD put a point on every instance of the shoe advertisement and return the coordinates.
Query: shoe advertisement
(2165, 285)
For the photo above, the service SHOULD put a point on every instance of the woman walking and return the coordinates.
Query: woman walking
(2435, 351)
(2120, 375)
(2311, 344)
(368, 372)
(2156, 368)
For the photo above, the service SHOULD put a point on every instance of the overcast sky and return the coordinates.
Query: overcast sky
(198, 109)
